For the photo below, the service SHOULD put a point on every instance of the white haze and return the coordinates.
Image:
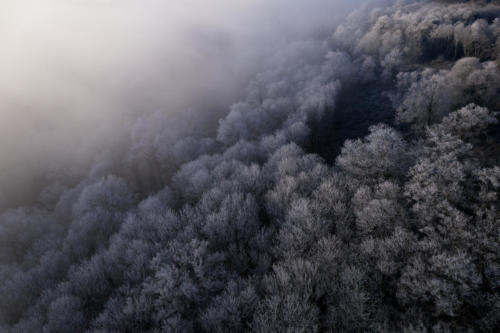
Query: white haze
(73, 73)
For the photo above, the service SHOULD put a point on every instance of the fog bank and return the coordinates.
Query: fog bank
(75, 73)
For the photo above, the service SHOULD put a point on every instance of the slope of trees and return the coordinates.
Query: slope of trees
(252, 231)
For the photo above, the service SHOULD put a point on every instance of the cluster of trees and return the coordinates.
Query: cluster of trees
(422, 32)
(249, 231)
(424, 96)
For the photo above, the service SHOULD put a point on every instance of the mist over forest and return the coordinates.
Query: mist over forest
(249, 166)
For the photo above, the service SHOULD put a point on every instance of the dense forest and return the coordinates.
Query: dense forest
(354, 188)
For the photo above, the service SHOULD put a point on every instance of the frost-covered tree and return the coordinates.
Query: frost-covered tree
(383, 153)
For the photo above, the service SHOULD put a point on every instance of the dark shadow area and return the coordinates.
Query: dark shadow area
(357, 109)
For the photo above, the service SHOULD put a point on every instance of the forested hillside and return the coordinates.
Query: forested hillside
(355, 188)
